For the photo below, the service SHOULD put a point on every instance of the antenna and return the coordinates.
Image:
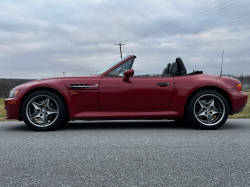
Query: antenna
(63, 73)
(221, 64)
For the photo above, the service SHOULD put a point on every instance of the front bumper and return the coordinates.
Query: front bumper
(12, 106)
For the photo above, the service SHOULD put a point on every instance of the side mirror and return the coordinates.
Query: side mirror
(128, 73)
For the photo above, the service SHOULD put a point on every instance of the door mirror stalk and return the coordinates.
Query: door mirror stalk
(127, 74)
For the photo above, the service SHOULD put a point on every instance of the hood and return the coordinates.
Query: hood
(56, 83)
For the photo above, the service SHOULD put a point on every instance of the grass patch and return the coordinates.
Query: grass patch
(244, 114)
(2, 110)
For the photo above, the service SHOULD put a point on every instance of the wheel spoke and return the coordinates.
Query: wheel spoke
(216, 111)
(209, 118)
(35, 115)
(202, 104)
(201, 113)
(46, 103)
(211, 103)
(36, 106)
(44, 119)
(51, 111)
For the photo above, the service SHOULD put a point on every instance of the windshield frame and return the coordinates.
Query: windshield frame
(108, 69)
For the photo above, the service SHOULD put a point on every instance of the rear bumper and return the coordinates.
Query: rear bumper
(239, 100)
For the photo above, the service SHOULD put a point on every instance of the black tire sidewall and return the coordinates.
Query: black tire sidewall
(191, 115)
(58, 121)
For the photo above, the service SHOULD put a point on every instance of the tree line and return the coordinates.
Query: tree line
(244, 79)
(8, 84)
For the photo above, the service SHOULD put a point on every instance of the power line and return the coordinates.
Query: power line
(190, 34)
(103, 55)
(190, 18)
(170, 25)
(160, 30)
(177, 19)
(194, 32)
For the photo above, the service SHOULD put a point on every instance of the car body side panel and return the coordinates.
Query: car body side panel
(85, 104)
(138, 93)
(186, 85)
(84, 100)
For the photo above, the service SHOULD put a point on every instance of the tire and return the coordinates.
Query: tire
(208, 110)
(43, 110)
(184, 120)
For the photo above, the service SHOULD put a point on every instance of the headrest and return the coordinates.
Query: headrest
(182, 68)
(165, 72)
(174, 70)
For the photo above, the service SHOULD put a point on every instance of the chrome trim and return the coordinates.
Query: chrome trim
(83, 86)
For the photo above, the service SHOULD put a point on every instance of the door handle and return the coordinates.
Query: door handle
(163, 84)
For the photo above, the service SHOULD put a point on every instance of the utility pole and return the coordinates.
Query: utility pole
(120, 44)
(63, 73)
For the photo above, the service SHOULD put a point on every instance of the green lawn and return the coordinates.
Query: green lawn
(2, 110)
(244, 114)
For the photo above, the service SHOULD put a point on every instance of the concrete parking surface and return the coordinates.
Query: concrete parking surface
(128, 153)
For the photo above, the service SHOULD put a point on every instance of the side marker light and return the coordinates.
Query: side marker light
(11, 102)
(239, 87)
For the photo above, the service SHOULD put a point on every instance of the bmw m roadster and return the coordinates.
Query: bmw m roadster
(114, 93)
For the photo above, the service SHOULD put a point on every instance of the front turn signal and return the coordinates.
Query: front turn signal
(239, 87)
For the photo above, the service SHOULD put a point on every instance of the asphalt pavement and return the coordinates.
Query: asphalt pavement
(125, 153)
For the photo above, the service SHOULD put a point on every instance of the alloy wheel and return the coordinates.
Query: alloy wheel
(42, 111)
(209, 109)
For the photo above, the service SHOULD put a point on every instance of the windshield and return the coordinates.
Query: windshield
(110, 66)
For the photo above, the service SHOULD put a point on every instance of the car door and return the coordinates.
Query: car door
(139, 93)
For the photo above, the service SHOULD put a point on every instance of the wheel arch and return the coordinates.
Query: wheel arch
(220, 90)
(43, 88)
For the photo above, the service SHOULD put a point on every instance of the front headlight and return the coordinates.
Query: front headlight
(13, 93)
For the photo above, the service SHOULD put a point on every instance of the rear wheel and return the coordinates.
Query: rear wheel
(43, 110)
(208, 109)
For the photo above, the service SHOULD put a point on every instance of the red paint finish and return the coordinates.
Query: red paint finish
(128, 114)
(139, 93)
(186, 85)
(238, 98)
(132, 98)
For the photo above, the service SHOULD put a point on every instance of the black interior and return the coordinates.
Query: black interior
(177, 68)
(166, 70)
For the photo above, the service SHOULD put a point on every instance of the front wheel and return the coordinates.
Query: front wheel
(208, 109)
(43, 110)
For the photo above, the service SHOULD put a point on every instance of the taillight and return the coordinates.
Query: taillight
(239, 87)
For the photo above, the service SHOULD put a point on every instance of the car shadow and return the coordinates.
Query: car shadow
(94, 125)
(139, 124)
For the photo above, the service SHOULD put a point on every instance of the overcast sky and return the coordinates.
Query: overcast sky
(42, 38)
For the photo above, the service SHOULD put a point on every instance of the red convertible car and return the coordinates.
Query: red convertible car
(114, 93)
